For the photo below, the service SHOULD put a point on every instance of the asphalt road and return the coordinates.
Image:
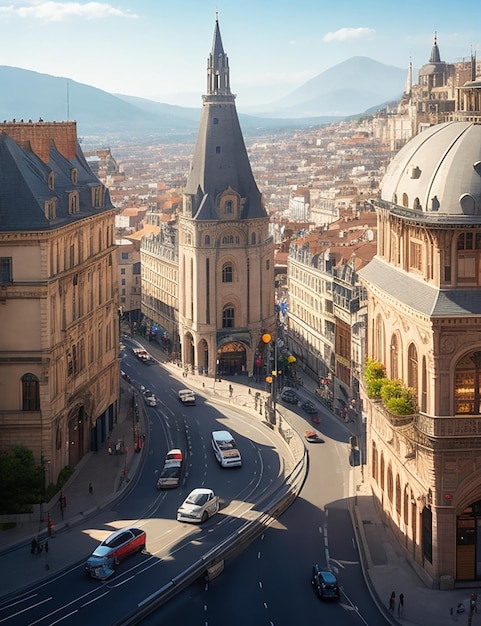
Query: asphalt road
(72, 597)
(269, 583)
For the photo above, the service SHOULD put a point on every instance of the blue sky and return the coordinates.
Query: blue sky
(157, 49)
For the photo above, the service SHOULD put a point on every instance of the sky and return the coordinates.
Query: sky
(158, 49)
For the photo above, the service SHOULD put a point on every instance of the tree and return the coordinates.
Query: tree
(22, 481)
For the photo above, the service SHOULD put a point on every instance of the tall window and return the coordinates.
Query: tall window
(30, 393)
(469, 257)
(6, 269)
(228, 317)
(227, 273)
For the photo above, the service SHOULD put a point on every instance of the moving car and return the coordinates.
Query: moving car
(149, 397)
(225, 449)
(119, 545)
(309, 407)
(187, 396)
(172, 471)
(289, 395)
(313, 437)
(199, 505)
(143, 356)
(324, 583)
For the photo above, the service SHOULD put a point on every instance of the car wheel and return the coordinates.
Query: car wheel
(205, 516)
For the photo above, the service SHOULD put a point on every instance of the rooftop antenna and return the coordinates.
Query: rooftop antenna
(68, 103)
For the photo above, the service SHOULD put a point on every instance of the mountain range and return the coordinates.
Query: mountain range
(351, 88)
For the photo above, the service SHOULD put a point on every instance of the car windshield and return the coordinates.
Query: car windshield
(197, 498)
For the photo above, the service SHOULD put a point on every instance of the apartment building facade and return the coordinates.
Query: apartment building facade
(59, 337)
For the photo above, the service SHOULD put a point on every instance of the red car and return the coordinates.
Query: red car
(119, 545)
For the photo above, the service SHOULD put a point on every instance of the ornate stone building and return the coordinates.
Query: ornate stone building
(59, 336)
(225, 282)
(424, 322)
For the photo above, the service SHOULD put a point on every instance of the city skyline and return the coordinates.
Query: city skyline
(157, 50)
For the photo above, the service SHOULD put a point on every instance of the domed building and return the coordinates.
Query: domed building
(424, 326)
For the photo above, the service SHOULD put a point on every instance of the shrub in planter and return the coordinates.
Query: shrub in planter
(375, 377)
(397, 399)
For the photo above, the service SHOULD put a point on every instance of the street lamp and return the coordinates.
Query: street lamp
(266, 338)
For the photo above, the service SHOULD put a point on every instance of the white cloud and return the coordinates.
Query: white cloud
(349, 34)
(62, 11)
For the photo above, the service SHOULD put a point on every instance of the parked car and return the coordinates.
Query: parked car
(171, 472)
(199, 505)
(289, 395)
(324, 583)
(313, 437)
(119, 545)
(187, 396)
(149, 397)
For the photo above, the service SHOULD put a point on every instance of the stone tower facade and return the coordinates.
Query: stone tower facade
(225, 253)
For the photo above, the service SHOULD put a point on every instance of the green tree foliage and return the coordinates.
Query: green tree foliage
(22, 481)
(375, 377)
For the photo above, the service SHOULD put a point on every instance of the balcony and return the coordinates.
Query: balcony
(449, 426)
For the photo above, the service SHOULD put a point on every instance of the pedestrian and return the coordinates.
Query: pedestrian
(110, 450)
(231, 390)
(400, 606)
(344, 411)
(91, 488)
(33, 546)
(392, 601)
(46, 546)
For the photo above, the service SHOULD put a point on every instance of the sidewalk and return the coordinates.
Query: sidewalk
(384, 563)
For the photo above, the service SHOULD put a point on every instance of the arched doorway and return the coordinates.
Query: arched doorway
(76, 436)
(468, 543)
(231, 359)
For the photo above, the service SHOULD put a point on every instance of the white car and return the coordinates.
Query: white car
(149, 397)
(199, 505)
(187, 396)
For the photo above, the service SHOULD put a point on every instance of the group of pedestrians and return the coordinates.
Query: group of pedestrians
(36, 547)
(392, 603)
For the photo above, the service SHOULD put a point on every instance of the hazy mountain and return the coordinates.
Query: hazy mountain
(351, 87)
(346, 89)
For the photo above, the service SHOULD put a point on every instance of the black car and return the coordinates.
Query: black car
(324, 583)
(313, 437)
(289, 395)
(309, 407)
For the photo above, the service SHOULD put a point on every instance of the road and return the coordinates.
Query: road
(269, 583)
(74, 598)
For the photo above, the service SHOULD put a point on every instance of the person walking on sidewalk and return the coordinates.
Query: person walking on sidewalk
(392, 601)
(400, 606)
(91, 488)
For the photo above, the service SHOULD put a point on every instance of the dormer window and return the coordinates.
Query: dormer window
(229, 207)
(73, 202)
(51, 181)
(74, 175)
(50, 208)
(98, 194)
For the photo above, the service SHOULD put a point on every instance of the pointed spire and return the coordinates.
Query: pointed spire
(435, 56)
(409, 79)
(218, 82)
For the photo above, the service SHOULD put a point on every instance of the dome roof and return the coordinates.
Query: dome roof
(437, 175)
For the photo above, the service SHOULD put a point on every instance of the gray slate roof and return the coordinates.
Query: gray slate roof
(24, 188)
(420, 296)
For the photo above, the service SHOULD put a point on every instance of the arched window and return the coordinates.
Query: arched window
(227, 273)
(374, 462)
(30, 393)
(207, 240)
(398, 495)
(389, 483)
(413, 367)
(228, 317)
(382, 471)
(253, 239)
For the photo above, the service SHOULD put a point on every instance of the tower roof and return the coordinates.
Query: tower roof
(220, 160)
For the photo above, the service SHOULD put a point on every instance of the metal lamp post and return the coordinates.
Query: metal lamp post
(266, 338)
